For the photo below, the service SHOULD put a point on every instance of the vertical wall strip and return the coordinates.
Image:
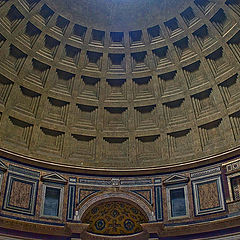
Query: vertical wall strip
(71, 201)
(158, 203)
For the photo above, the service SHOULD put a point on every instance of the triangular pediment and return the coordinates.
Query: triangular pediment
(3, 167)
(174, 179)
(54, 177)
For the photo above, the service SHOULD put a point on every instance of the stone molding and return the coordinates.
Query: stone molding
(81, 209)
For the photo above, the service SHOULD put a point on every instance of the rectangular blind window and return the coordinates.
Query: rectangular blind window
(51, 204)
(236, 187)
(178, 204)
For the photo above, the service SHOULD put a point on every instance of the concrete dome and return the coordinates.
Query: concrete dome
(119, 119)
(122, 85)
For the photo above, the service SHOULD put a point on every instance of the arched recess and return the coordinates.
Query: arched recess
(110, 203)
(116, 196)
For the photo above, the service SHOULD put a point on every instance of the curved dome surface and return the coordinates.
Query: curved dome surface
(119, 15)
(119, 84)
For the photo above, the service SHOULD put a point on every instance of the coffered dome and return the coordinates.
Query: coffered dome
(119, 84)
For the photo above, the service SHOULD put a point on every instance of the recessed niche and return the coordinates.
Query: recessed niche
(70, 56)
(221, 22)
(183, 49)
(38, 73)
(49, 48)
(145, 117)
(29, 4)
(189, 17)
(89, 88)
(44, 14)
(203, 38)
(27, 101)
(50, 142)
(30, 35)
(211, 135)
(116, 149)
(143, 88)
(97, 37)
(115, 118)
(155, 34)
(56, 111)
(162, 57)
(173, 27)
(169, 84)
(195, 75)
(22, 132)
(78, 33)
(2, 40)
(180, 143)
(116, 89)
(139, 61)
(93, 61)
(234, 44)
(12, 19)
(63, 82)
(85, 116)
(5, 89)
(234, 5)
(14, 60)
(148, 149)
(205, 5)
(60, 25)
(235, 122)
(116, 63)
(116, 39)
(230, 90)
(204, 103)
(136, 38)
(174, 112)
(82, 148)
(218, 62)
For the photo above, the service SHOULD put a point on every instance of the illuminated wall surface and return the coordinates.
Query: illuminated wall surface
(119, 119)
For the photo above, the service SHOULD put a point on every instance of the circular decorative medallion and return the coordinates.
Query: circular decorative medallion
(129, 225)
(100, 224)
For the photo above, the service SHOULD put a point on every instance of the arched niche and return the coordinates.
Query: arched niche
(114, 213)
